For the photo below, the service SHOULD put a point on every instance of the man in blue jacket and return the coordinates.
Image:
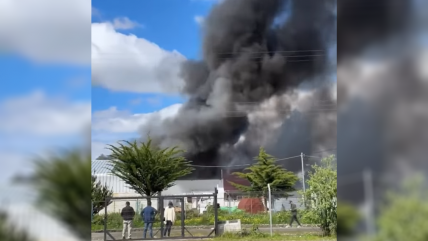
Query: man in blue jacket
(148, 216)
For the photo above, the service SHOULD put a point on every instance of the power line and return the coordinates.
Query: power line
(243, 165)
(268, 52)
(262, 57)
(315, 112)
(229, 53)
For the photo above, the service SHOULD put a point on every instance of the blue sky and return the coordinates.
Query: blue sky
(45, 95)
(126, 38)
(168, 23)
(46, 84)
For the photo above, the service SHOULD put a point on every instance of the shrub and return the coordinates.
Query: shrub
(114, 221)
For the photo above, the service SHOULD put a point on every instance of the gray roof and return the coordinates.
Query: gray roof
(101, 167)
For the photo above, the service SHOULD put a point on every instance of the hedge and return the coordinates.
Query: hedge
(114, 220)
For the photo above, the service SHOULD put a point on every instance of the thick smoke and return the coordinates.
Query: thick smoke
(381, 93)
(255, 84)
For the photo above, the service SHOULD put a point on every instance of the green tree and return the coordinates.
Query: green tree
(147, 169)
(265, 171)
(404, 214)
(62, 183)
(322, 191)
(9, 233)
(347, 219)
(98, 195)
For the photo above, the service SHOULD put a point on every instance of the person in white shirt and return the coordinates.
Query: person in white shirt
(169, 218)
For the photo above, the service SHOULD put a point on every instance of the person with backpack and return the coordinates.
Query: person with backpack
(169, 216)
(127, 214)
(148, 217)
(293, 209)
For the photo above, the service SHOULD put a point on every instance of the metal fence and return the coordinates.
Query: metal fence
(197, 214)
(190, 210)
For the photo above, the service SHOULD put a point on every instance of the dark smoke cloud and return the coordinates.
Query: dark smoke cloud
(254, 64)
(380, 91)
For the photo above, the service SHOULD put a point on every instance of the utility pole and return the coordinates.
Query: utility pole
(303, 172)
(368, 193)
(303, 180)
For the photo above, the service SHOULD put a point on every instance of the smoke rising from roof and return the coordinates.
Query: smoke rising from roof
(248, 92)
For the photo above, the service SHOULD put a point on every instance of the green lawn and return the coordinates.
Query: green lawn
(286, 237)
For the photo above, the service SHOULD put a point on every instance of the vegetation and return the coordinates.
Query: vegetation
(9, 233)
(63, 191)
(147, 169)
(114, 221)
(323, 193)
(347, 219)
(257, 236)
(98, 195)
(264, 172)
(404, 215)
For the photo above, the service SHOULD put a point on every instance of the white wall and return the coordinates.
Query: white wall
(181, 187)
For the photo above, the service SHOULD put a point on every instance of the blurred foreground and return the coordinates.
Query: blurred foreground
(382, 132)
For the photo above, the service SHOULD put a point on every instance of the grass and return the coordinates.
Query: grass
(276, 236)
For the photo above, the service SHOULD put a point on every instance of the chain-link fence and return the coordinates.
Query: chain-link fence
(195, 214)
(253, 209)
(190, 216)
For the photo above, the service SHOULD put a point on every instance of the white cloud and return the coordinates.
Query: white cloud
(127, 63)
(124, 23)
(40, 115)
(47, 30)
(199, 20)
(113, 120)
(112, 125)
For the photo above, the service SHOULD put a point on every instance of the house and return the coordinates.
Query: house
(228, 195)
(101, 169)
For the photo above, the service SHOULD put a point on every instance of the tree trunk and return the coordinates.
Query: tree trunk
(159, 201)
(265, 202)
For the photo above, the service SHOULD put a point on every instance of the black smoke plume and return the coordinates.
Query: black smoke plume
(380, 30)
(244, 92)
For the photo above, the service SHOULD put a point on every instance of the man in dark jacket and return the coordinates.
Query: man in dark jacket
(127, 214)
(148, 216)
(293, 209)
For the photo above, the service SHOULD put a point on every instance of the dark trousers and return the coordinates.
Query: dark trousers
(167, 228)
(148, 226)
(294, 218)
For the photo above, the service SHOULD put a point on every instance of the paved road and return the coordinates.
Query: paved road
(202, 232)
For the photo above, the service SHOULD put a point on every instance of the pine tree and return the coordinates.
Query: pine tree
(265, 171)
(99, 194)
(147, 169)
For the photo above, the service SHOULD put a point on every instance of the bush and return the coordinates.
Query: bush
(114, 220)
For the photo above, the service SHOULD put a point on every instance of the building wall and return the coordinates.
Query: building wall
(181, 187)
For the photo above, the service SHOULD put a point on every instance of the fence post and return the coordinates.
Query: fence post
(182, 217)
(105, 219)
(215, 213)
(270, 210)
(162, 213)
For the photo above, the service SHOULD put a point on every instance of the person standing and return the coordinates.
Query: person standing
(293, 209)
(148, 216)
(127, 214)
(169, 215)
